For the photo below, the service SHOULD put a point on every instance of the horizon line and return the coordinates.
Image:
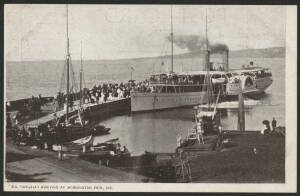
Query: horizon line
(136, 58)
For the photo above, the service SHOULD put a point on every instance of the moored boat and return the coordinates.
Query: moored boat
(207, 120)
(254, 80)
(172, 90)
(106, 151)
(178, 89)
(82, 143)
(100, 130)
(66, 129)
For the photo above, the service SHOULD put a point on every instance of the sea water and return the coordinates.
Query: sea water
(151, 131)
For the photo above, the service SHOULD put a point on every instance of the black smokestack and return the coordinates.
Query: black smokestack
(226, 60)
(218, 48)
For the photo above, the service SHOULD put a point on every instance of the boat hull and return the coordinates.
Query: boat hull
(158, 101)
(75, 145)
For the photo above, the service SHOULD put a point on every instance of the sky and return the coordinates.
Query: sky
(38, 32)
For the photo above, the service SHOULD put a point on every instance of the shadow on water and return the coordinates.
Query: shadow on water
(15, 177)
(13, 157)
(182, 114)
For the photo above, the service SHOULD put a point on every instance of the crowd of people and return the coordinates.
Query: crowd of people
(32, 137)
(106, 91)
(267, 128)
(143, 86)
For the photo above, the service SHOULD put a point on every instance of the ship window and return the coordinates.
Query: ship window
(196, 79)
(248, 82)
(216, 76)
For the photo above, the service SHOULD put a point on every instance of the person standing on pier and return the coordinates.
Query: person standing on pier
(200, 132)
(274, 124)
(8, 121)
(179, 140)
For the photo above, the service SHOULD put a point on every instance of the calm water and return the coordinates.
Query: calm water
(146, 131)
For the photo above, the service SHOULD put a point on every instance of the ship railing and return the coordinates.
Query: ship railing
(191, 83)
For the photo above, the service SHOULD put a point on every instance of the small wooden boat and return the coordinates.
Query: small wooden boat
(78, 144)
(100, 130)
(106, 143)
(95, 130)
(109, 150)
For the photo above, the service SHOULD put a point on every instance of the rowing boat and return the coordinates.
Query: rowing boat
(78, 144)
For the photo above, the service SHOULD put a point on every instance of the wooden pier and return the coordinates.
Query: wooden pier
(93, 111)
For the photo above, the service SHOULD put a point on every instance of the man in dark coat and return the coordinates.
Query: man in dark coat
(274, 124)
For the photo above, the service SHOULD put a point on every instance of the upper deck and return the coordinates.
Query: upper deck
(191, 78)
(258, 72)
(249, 69)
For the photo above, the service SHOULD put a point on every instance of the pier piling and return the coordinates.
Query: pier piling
(60, 155)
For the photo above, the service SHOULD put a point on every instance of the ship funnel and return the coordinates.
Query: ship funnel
(207, 61)
(226, 60)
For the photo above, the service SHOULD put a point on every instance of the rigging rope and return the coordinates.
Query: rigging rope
(62, 79)
(73, 86)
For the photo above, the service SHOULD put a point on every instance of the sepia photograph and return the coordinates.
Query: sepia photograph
(160, 97)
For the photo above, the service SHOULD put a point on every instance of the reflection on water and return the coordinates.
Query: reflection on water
(157, 131)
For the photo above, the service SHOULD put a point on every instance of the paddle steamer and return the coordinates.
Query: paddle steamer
(172, 90)
(254, 80)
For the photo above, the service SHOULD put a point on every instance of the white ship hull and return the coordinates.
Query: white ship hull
(258, 87)
(157, 101)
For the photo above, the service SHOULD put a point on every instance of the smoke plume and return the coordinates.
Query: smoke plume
(191, 42)
(196, 43)
(218, 48)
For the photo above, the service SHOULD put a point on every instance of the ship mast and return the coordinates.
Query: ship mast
(171, 39)
(81, 72)
(207, 64)
(68, 63)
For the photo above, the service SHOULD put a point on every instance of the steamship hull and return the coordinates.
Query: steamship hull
(158, 101)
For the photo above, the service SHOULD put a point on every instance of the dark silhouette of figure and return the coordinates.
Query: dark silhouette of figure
(274, 124)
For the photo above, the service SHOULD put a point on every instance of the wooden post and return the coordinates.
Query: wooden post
(241, 113)
(59, 155)
(190, 172)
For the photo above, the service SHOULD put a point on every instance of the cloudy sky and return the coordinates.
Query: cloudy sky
(38, 32)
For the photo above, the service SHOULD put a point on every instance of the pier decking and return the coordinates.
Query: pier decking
(123, 104)
(24, 164)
